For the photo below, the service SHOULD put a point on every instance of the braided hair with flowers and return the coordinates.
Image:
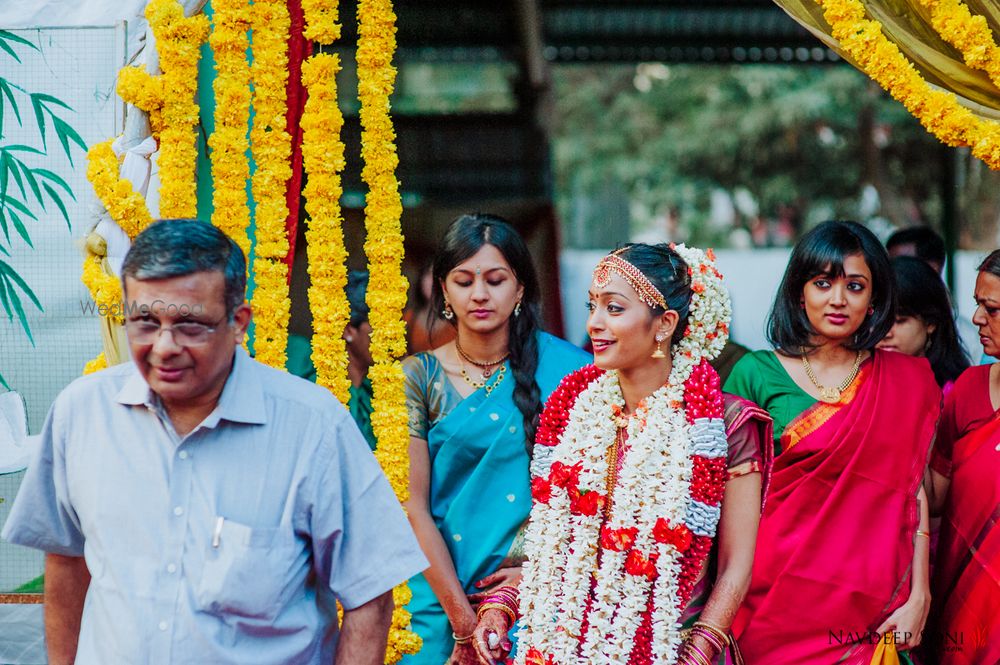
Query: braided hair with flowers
(607, 581)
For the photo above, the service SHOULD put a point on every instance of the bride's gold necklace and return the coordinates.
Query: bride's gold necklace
(831, 395)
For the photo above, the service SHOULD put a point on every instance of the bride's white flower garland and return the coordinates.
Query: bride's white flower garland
(586, 586)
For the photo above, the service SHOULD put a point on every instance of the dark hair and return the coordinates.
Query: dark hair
(991, 264)
(822, 252)
(921, 293)
(465, 236)
(357, 287)
(668, 272)
(929, 246)
(178, 247)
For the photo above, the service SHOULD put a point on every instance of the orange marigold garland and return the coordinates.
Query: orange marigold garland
(271, 146)
(228, 143)
(879, 58)
(387, 287)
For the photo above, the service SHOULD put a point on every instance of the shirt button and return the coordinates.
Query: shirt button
(163, 625)
(178, 510)
(183, 454)
(171, 568)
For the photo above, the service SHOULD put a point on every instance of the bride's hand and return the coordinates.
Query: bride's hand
(490, 637)
(502, 577)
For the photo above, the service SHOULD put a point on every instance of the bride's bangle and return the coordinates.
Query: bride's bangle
(462, 640)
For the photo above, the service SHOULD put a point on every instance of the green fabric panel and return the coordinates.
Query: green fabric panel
(760, 378)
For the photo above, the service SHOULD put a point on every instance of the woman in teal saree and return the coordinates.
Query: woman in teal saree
(473, 405)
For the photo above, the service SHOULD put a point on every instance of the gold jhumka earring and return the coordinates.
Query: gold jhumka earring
(659, 350)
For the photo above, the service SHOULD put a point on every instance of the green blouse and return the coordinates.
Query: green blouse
(760, 378)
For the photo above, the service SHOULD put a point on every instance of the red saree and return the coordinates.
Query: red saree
(835, 545)
(967, 576)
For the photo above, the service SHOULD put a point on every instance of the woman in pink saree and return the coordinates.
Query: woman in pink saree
(966, 480)
(840, 570)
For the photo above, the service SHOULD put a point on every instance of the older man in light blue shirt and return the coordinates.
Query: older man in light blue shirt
(199, 507)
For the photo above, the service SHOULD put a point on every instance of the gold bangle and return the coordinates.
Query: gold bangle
(497, 606)
(462, 640)
(923, 533)
(715, 630)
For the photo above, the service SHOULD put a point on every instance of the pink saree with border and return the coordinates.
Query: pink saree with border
(835, 545)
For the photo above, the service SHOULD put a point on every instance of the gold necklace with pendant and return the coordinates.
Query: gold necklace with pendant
(831, 395)
(486, 367)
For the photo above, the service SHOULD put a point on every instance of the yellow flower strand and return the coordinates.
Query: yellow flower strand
(970, 34)
(321, 20)
(387, 286)
(125, 205)
(105, 288)
(271, 146)
(229, 143)
(95, 365)
(170, 101)
(882, 60)
(323, 158)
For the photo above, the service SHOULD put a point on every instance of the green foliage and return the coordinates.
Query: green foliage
(794, 138)
(26, 190)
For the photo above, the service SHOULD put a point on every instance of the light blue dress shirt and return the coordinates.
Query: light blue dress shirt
(228, 545)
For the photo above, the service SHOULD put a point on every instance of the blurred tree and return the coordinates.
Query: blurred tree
(718, 153)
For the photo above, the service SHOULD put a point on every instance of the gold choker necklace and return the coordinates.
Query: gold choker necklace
(832, 394)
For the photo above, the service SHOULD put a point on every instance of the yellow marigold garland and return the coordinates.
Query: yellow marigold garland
(271, 146)
(321, 20)
(387, 287)
(882, 60)
(143, 91)
(970, 34)
(323, 158)
(95, 365)
(229, 143)
(170, 101)
(105, 289)
(128, 209)
(125, 205)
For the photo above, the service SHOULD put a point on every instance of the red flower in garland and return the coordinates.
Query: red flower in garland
(618, 540)
(678, 536)
(691, 565)
(541, 490)
(567, 477)
(708, 479)
(536, 657)
(702, 395)
(555, 415)
(587, 503)
(640, 566)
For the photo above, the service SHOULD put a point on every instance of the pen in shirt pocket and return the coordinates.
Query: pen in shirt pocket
(217, 533)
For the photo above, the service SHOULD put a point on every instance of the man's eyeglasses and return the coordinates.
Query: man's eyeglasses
(186, 333)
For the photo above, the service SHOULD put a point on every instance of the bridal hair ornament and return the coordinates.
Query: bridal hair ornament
(648, 293)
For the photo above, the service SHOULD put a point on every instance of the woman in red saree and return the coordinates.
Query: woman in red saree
(839, 566)
(965, 469)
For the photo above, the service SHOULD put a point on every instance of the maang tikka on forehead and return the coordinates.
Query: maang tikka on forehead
(648, 293)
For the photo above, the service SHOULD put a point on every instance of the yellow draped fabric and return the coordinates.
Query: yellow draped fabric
(907, 23)
(885, 654)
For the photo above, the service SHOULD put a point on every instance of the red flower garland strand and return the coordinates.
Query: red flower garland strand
(702, 399)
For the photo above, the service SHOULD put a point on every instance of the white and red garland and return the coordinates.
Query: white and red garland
(588, 583)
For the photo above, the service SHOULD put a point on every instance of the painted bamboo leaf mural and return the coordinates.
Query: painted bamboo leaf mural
(27, 191)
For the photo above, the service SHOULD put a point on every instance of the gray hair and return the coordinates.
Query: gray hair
(179, 247)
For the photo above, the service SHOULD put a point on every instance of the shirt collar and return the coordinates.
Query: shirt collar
(242, 398)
